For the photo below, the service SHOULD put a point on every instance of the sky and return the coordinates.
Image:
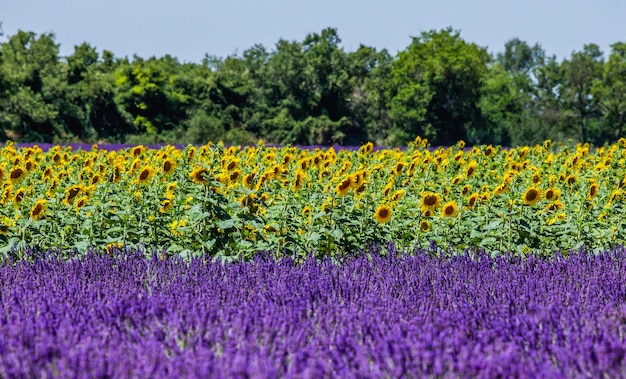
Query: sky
(191, 29)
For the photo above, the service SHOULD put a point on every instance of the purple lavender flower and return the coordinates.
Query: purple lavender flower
(370, 316)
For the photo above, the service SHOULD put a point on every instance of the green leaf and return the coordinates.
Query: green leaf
(485, 242)
(225, 224)
(493, 225)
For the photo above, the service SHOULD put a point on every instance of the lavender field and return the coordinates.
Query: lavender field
(402, 315)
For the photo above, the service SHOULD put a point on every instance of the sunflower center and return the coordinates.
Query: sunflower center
(531, 195)
(16, 173)
(430, 200)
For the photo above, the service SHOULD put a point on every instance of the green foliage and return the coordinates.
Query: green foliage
(610, 93)
(440, 87)
(435, 86)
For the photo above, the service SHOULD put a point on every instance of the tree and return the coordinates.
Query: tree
(309, 80)
(547, 119)
(88, 110)
(580, 73)
(150, 95)
(519, 57)
(435, 88)
(508, 97)
(369, 71)
(32, 80)
(610, 92)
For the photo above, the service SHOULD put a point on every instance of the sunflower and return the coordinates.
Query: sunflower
(531, 196)
(171, 187)
(80, 202)
(396, 196)
(287, 158)
(357, 178)
(116, 175)
(71, 193)
(502, 188)
(450, 209)
(248, 180)
(145, 175)
(85, 174)
(559, 217)
(19, 195)
(298, 181)
(234, 176)
(552, 194)
(398, 168)
(176, 226)
(430, 201)
(547, 144)
(167, 203)
(45, 175)
(471, 169)
(472, 200)
(536, 179)
(135, 165)
(265, 197)
(303, 164)
(30, 165)
(593, 190)
(344, 186)
(387, 189)
(366, 148)
(484, 197)
(16, 175)
(327, 207)
(199, 175)
(249, 200)
(615, 195)
(96, 179)
(231, 165)
(382, 214)
(168, 166)
(457, 180)
(7, 193)
(58, 160)
(555, 206)
(488, 150)
(137, 151)
(424, 226)
(306, 210)
(465, 190)
(571, 180)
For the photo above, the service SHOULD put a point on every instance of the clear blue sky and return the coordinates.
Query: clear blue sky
(189, 29)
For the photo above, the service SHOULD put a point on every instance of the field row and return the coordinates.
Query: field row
(235, 201)
(404, 315)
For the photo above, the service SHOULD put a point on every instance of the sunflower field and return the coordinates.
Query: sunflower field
(231, 202)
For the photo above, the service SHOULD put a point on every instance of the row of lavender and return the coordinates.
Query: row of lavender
(395, 316)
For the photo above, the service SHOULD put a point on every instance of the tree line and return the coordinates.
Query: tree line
(313, 92)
